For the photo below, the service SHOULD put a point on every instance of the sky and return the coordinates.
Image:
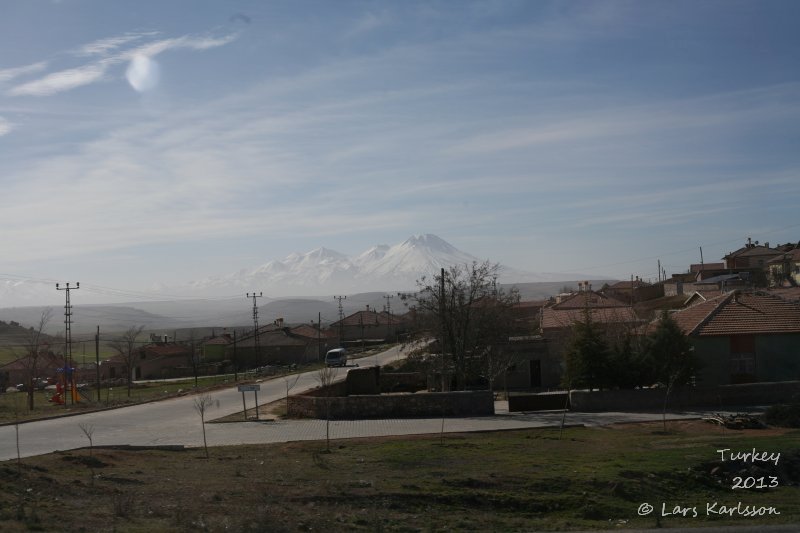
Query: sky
(155, 142)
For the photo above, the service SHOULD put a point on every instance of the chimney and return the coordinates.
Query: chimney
(749, 242)
(766, 244)
(367, 307)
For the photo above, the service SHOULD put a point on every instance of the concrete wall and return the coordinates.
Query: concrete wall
(710, 398)
(424, 404)
(777, 358)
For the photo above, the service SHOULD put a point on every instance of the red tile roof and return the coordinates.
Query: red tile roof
(752, 251)
(792, 255)
(739, 313)
(305, 330)
(367, 318)
(553, 318)
(592, 299)
(166, 350)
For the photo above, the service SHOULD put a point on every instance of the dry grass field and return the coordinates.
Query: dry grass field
(504, 481)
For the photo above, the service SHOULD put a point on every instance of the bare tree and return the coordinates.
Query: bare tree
(468, 312)
(290, 380)
(202, 404)
(88, 430)
(325, 377)
(35, 346)
(194, 357)
(125, 347)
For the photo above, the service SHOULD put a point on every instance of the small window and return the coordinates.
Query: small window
(743, 363)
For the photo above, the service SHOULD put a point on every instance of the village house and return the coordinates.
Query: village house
(743, 337)
(48, 366)
(277, 344)
(635, 290)
(784, 269)
(538, 360)
(369, 327)
(153, 361)
(751, 256)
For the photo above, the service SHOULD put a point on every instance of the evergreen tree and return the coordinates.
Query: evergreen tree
(670, 354)
(588, 356)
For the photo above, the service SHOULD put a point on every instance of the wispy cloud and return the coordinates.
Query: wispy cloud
(9, 74)
(62, 81)
(5, 126)
(71, 78)
(103, 47)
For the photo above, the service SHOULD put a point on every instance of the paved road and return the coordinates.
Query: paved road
(176, 422)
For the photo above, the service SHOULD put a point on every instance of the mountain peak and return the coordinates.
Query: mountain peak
(429, 240)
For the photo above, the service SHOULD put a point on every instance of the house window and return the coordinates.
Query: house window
(743, 363)
(742, 358)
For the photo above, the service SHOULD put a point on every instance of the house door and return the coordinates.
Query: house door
(536, 372)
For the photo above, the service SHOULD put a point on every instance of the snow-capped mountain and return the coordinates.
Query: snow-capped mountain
(417, 255)
(321, 271)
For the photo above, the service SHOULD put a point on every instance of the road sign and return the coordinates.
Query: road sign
(249, 388)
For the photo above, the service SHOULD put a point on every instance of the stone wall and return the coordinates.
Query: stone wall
(403, 381)
(423, 404)
(709, 398)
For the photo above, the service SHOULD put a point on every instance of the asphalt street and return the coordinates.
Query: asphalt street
(176, 422)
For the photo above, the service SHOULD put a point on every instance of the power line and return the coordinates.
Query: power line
(68, 337)
(341, 318)
(257, 343)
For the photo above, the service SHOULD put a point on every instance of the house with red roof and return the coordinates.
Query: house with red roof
(369, 326)
(784, 269)
(751, 255)
(277, 344)
(744, 337)
(544, 367)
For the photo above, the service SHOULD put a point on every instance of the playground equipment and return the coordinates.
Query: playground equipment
(65, 384)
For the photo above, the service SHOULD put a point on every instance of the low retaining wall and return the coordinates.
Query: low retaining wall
(537, 402)
(717, 398)
(423, 404)
(403, 381)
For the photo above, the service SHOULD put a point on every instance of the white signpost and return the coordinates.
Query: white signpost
(249, 388)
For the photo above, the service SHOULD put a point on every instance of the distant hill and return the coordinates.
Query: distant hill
(13, 340)
(181, 314)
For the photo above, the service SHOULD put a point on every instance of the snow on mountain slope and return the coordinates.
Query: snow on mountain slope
(420, 254)
(319, 272)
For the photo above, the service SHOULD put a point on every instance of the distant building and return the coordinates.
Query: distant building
(743, 337)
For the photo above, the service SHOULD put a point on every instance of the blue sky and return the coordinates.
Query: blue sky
(164, 141)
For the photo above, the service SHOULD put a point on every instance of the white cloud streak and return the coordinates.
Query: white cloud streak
(9, 74)
(5, 127)
(62, 81)
(73, 78)
(103, 47)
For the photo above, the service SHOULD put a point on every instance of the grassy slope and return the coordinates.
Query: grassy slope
(507, 481)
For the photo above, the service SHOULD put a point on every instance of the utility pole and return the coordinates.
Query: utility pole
(68, 338)
(444, 326)
(256, 342)
(319, 335)
(235, 359)
(659, 270)
(388, 298)
(341, 319)
(361, 322)
(97, 360)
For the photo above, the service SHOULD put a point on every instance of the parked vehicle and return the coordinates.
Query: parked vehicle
(336, 357)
